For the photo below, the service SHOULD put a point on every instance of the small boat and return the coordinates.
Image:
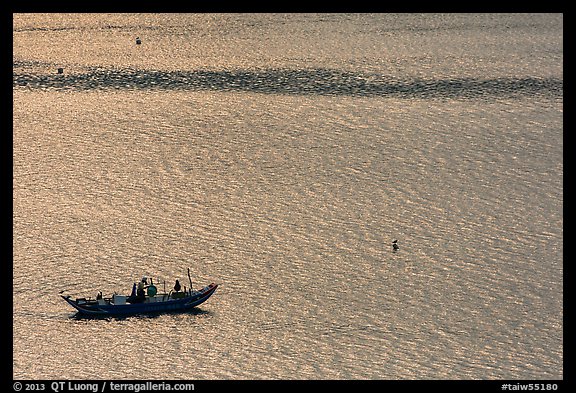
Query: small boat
(151, 302)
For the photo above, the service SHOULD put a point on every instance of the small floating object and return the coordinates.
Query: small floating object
(60, 70)
(138, 41)
(395, 245)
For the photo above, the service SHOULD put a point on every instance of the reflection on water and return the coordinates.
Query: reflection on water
(279, 156)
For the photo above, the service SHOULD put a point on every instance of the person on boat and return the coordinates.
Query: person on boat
(177, 286)
(134, 298)
(141, 286)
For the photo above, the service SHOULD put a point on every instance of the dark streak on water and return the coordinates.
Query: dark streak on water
(289, 81)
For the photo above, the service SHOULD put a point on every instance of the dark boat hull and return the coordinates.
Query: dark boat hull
(182, 304)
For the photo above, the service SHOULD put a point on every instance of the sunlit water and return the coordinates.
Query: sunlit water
(279, 156)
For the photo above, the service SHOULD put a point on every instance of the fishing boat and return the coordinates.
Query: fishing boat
(151, 302)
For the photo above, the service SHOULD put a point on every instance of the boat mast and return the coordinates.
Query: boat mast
(190, 280)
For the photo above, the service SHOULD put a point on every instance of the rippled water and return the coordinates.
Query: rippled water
(279, 156)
